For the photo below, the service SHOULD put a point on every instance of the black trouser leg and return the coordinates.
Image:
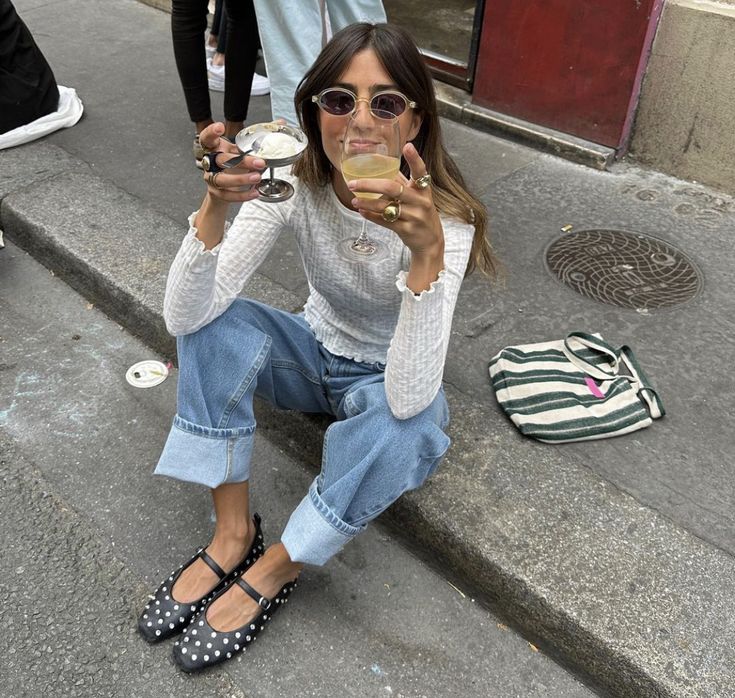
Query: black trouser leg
(188, 24)
(241, 56)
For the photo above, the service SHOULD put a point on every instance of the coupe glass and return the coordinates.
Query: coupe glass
(253, 140)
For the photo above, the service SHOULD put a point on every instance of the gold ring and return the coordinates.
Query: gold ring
(212, 179)
(392, 212)
(423, 182)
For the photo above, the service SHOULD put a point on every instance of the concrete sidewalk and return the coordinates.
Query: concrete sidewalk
(615, 556)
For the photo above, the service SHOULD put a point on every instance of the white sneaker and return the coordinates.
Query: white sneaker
(261, 85)
(216, 77)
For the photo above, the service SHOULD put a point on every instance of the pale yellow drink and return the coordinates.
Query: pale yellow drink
(370, 166)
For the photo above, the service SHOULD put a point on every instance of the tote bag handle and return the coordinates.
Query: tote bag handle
(645, 392)
(589, 341)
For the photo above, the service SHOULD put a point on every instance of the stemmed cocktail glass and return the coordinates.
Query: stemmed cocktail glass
(371, 149)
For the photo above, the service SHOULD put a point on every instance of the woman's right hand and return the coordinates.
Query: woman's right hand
(236, 184)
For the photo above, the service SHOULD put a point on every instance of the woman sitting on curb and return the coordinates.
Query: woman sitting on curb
(369, 348)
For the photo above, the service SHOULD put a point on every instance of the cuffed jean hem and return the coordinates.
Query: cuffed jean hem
(314, 533)
(206, 456)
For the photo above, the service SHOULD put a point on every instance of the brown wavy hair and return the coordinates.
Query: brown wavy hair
(398, 53)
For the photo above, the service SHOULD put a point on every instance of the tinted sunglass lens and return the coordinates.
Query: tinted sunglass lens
(337, 102)
(395, 104)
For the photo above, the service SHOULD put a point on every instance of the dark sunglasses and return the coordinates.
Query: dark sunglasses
(338, 101)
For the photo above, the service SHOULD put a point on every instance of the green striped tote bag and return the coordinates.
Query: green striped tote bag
(573, 389)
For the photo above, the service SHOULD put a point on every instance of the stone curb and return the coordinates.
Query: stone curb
(455, 104)
(615, 591)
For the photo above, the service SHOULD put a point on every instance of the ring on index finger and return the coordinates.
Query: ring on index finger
(422, 182)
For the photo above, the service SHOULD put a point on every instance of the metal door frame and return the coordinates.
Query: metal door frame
(453, 71)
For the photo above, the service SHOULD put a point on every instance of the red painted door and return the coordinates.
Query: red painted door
(571, 65)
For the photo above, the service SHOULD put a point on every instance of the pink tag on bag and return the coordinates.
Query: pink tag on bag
(593, 387)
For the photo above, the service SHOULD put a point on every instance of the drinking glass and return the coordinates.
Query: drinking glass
(371, 149)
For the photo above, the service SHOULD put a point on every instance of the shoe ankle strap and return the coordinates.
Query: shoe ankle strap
(213, 565)
(264, 603)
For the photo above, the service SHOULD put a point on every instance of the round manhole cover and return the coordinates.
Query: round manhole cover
(630, 270)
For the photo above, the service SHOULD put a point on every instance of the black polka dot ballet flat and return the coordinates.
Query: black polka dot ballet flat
(164, 616)
(201, 646)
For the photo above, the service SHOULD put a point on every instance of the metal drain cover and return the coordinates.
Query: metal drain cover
(630, 270)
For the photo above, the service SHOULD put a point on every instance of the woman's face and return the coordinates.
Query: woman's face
(365, 75)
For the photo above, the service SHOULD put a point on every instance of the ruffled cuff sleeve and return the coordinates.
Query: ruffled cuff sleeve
(403, 288)
(194, 255)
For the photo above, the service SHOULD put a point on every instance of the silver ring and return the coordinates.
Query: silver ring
(392, 212)
(423, 182)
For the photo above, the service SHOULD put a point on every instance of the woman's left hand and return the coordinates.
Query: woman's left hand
(418, 223)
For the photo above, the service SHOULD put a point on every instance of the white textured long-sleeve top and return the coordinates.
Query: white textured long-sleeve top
(362, 310)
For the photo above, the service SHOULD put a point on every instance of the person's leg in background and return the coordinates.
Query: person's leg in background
(222, 29)
(291, 35)
(291, 32)
(214, 32)
(260, 84)
(345, 12)
(188, 24)
(216, 64)
(241, 55)
(28, 90)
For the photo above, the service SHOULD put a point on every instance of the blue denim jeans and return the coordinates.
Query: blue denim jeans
(369, 458)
